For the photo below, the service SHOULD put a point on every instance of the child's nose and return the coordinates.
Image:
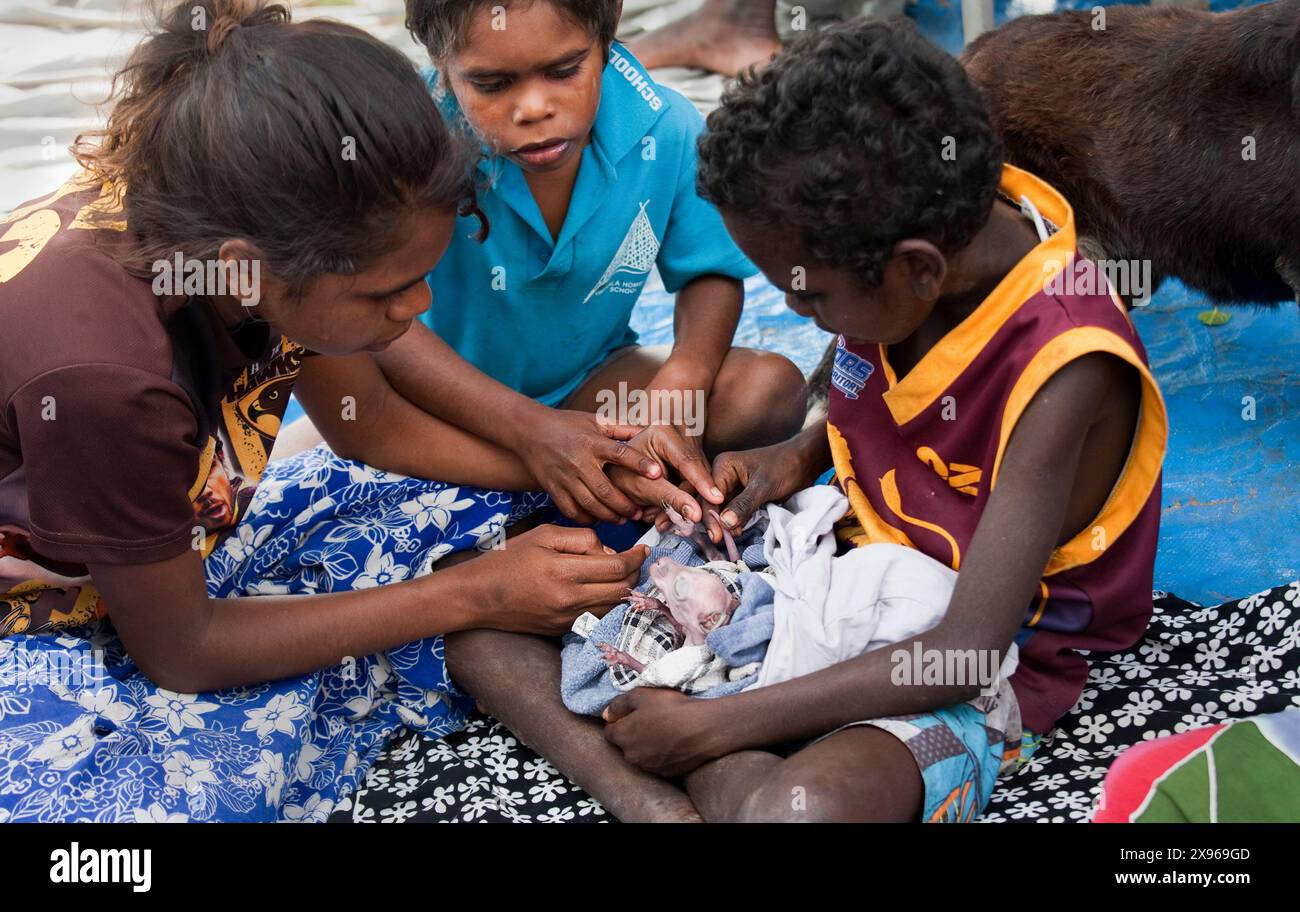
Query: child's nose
(532, 105)
(409, 306)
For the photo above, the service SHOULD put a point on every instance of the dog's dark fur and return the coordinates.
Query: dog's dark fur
(1141, 127)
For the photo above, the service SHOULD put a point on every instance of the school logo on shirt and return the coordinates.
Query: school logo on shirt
(636, 79)
(635, 257)
(850, 372)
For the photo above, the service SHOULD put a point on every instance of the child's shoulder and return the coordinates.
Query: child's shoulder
(630, 89)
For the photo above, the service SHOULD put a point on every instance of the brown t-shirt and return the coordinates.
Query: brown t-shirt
(132, 425)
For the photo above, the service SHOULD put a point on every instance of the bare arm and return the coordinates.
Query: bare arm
(362, 417)
(430, 374)
(185, 641)
(705, 317)
(565, 451)
(1020, 527)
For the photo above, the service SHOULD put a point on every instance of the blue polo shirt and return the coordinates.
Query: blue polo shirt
(539, 314)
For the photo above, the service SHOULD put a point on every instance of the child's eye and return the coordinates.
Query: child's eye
(487, 88)
(566, 73)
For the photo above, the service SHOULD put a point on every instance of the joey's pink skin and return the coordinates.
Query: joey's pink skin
(614, 657)
(687, 529)
(681, 525)
(643, 602)
(696, 599)
(733, 554)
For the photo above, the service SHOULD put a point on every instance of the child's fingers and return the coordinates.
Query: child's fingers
(618, 431)
(741, 507)
(609, 496)
(568, 540)
(713, 526)
(566, 505)
(620, 707)
(693, 467)
(660, 492)
(610, 566)
(618, 453)
(685, 505)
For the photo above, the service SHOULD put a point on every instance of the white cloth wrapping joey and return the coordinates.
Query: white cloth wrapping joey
(809, 609)
(831, 608)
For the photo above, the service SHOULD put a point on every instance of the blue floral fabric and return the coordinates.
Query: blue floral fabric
(85, 736)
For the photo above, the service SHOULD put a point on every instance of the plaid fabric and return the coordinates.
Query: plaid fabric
(646, 635)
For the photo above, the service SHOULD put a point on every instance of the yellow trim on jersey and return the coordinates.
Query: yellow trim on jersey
(953, 354)
(889, 490)
(1042, 605)
(875, 528)
(1138, 477)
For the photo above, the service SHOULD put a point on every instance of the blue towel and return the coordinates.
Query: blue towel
(586, 681)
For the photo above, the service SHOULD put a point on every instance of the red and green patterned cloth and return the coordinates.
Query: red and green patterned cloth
(1240, 771)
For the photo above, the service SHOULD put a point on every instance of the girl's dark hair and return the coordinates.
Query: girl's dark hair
(440, 25)
(311, 140)
(854, 138)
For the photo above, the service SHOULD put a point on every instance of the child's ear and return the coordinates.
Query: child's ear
(926, 268)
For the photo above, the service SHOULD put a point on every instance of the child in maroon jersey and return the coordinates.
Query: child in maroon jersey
(985, 411)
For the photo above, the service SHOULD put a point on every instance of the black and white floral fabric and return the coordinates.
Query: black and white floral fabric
(1195, 666)
(481, 774)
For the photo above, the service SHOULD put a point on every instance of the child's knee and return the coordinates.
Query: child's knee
(809, 795)
(767, 388)
(855, 776)
(794, 793)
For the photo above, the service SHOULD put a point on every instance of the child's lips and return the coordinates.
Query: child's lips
(543, 153)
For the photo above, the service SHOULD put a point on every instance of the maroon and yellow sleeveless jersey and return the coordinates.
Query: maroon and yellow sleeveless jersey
(919, 456)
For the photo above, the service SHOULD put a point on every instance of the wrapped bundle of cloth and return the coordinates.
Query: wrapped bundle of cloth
(779, 604)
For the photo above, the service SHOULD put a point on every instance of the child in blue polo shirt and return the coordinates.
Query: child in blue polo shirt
(587, 183)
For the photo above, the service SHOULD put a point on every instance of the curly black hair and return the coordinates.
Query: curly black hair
(857, 136)
(440, 25)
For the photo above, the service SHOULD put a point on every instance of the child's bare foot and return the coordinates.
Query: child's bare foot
(722, 36)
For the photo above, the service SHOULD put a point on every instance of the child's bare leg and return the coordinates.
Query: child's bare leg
(516, 678)
(720, 786)
(724, 36)
(860, 774)
(757, 397)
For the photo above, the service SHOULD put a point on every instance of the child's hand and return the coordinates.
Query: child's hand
(662, 731)
(672, 449)
(767, 474)
(567, 451)
(543, 579)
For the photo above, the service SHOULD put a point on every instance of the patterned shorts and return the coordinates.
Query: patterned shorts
(961, 750)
